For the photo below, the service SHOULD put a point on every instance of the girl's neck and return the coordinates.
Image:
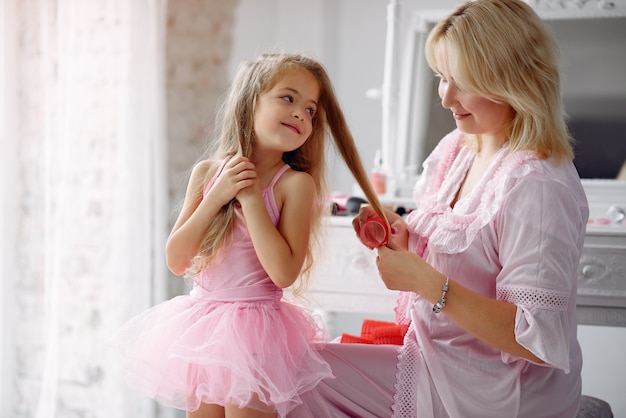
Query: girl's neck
(266, 165)
(266, 162)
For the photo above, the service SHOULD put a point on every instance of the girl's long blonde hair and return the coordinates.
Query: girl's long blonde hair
(502, 50)
(235, 135)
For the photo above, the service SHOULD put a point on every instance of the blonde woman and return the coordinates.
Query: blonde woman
(487, 262)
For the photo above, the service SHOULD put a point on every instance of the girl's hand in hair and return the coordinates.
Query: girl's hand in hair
(238, 173)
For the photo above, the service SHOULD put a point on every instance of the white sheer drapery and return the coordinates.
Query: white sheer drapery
(83, 198)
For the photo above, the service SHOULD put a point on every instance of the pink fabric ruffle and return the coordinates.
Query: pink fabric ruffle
(190, 349)
(449, 232)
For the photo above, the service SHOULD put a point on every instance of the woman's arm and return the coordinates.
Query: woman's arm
(489, 320)
(197, 212)
(282, 250)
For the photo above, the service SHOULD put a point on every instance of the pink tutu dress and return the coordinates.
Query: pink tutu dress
(232, 340)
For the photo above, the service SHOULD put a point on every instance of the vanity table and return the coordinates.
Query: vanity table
(345, 278)
(602, 270)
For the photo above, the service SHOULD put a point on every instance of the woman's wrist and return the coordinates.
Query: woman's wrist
(441, 303)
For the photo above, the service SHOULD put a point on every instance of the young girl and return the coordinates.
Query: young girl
(247, 229)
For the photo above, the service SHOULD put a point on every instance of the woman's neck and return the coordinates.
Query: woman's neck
(486, 146)
(484, 153)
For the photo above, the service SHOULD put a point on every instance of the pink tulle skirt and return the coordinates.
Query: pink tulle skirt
(258, 354)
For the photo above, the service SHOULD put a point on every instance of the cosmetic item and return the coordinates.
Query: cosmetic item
(354, 203)
(378, 177)
(373, 233)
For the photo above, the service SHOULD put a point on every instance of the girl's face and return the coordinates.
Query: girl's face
(283, 117)
(473, 114)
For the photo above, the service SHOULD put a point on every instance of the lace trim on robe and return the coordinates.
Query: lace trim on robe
(405, 399)
(403, 305)
(532, 297)
(449, 231)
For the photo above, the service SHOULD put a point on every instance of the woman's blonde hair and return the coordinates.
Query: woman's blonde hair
(502, 50)
(235, 135)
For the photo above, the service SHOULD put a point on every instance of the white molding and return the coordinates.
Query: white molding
(578, 9)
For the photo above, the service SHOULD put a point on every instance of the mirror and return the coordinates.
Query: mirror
(592, 38)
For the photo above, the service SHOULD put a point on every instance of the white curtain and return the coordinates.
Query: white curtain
(83, 198)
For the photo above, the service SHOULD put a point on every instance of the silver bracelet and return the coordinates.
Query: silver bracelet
(437, 307)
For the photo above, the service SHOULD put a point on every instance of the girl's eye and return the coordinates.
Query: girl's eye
(287, 98)
(311, 111)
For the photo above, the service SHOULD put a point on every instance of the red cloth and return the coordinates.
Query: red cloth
(377, 332)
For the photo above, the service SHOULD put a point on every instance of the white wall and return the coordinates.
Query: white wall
(347, 36)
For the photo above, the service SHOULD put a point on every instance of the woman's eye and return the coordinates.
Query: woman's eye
(461, 90)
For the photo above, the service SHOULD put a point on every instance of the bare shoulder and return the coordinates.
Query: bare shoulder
(293, 180)
(203, 168)
(295, 185)
(199, 174)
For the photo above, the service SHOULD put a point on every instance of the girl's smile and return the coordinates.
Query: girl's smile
(292, 126)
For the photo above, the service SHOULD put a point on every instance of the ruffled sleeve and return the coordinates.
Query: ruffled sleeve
(542, 228)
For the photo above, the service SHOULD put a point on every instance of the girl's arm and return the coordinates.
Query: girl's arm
(197, 212)
(282, 250)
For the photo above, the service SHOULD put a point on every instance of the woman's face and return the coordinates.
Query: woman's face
(473, 114)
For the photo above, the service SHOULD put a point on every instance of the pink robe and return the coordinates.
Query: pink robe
(517, 237)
